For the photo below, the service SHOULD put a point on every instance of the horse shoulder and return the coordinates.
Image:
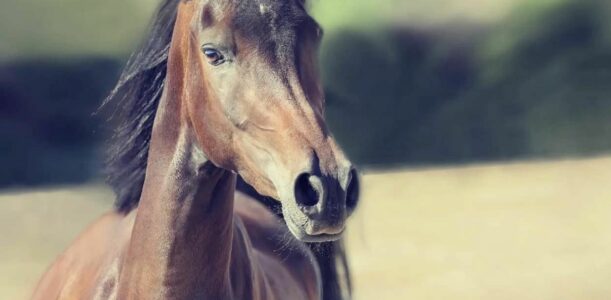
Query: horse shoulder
(78, 270)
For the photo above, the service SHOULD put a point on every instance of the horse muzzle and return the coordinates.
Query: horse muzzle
(321, 205)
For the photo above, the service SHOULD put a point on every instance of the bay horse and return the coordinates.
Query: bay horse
(222, 91)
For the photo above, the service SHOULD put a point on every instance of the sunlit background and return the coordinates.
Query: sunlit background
(483, 127)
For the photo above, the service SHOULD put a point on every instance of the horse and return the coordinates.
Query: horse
(222, 93)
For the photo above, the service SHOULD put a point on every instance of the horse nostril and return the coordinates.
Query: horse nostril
(308, 189)
(352, 191)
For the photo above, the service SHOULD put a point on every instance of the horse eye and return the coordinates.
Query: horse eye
(214, 57)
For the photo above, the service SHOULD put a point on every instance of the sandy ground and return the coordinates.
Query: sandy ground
(513, 231)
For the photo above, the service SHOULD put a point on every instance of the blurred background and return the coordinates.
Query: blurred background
(483, 127)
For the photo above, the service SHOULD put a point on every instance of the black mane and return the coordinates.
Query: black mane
(136, 97)
(134, 102)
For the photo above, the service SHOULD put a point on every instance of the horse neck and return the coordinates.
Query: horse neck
(181, 240)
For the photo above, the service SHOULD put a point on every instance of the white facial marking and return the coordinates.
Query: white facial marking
(263, 9)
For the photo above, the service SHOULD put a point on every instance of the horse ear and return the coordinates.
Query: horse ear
(178, 51)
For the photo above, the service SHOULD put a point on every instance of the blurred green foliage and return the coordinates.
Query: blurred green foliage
(63, 29)
(532, 83)
(48, 130)
(535, 84)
